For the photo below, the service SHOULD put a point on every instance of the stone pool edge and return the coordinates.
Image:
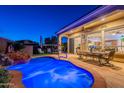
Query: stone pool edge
(16, 80)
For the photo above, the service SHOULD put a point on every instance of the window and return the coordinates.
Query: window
(95, 39)
(115, 39)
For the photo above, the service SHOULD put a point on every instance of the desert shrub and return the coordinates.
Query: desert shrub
(4, 78)
(18, 46)
(18, 57)
(4, 60)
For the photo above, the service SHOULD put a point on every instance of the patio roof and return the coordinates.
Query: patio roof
(103, 10)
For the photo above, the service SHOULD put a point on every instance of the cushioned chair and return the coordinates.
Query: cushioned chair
(79, 53)
(108, 57)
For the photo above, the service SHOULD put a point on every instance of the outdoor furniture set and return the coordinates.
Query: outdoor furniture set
(102, 57)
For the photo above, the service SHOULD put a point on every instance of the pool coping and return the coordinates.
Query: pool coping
(99, 81)
(16, 79)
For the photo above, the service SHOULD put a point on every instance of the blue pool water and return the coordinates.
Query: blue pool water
(47, 72)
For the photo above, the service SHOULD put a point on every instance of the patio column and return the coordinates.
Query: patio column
(103, 38)
(60, 43)
(86, 42)
(83, 44)
(68, 47)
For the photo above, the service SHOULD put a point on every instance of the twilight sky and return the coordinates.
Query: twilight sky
(29, 22)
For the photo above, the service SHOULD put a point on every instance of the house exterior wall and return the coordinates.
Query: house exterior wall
(3, 45)
(99, 29)
(107, 27)
(28, 49)
(77, 40)
(75, 35)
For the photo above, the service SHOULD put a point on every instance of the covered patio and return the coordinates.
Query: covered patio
(103, 28)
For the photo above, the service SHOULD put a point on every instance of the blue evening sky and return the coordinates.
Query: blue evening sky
(29, 22)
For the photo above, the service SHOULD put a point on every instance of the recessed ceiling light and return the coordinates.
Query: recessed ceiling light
(103, 19)
(71, 31)
(113, 34)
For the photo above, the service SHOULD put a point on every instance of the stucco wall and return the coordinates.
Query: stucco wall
(75, 35)
(28, 49)
(3, 45)
(99, 28)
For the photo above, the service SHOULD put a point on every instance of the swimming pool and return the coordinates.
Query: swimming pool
(47, 72)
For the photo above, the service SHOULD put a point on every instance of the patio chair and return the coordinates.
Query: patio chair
(96, 56)
(79, 53)
(108, 57)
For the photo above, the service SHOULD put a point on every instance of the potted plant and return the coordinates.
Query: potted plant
(122, 40)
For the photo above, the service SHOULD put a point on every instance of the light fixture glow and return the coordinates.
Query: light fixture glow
(103, 19)
(113, 34)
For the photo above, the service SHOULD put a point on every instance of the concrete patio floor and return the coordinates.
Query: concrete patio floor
(113, 76)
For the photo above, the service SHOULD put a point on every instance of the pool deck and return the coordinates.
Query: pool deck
(105, 76)
(16, 80)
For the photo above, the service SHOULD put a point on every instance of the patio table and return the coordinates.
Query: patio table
(96, 54)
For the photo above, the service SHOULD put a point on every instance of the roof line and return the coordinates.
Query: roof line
(79, 18)
(84, 18)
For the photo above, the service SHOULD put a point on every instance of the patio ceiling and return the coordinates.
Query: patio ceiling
(90, 17)
(117, 14)
(106, 18)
